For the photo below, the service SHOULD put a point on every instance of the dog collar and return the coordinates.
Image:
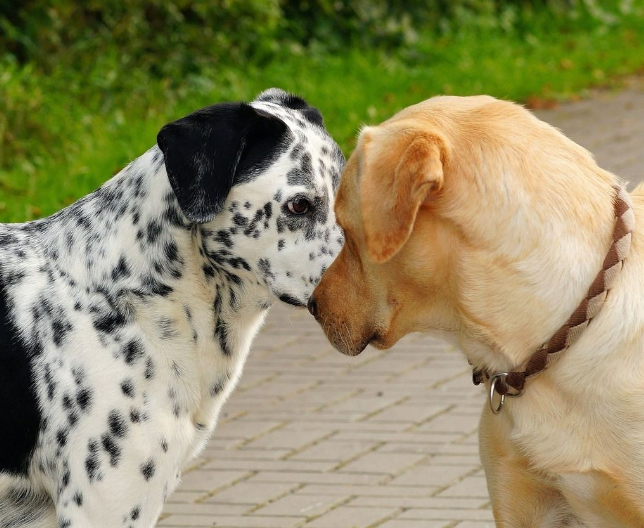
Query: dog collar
(512, 383)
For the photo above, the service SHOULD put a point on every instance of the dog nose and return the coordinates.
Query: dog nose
(313, 307)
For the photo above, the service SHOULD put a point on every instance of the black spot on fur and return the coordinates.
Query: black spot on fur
(84, 399)
(60, 328)
(121, 270)
(109, 322)
(264, 266)
(66, 478)
(112, 449)
(132, 352)
(149, 369)
(78, 498)
(153, 231)
(221, 332)
(167, 328)
(240, 220)
(135, 415)
(217, 387)
(92, 462)
(127, 387)
(291, 300)
(147, 469)
(61, 437)
(116, 423)
(155, 287)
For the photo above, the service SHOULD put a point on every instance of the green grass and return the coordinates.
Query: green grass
(74, 131)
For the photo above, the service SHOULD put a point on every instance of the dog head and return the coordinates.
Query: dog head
(462, 215)
(259, 180)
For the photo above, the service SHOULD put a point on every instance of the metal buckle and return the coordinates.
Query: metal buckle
(496, 409)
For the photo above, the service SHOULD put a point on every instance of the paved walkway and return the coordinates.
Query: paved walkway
(314, 439)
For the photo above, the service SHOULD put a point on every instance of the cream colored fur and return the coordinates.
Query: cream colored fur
(495, 252)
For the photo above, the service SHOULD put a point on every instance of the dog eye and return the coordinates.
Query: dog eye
(299, 206)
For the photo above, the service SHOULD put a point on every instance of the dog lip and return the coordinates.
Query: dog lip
(288, 299)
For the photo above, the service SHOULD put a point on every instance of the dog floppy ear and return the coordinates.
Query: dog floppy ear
(208, 151)
(395, 182)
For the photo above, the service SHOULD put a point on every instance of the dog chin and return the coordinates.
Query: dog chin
(292, 301)
(349, 351)
(356, 349)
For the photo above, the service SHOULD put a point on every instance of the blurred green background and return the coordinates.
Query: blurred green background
(85, 86)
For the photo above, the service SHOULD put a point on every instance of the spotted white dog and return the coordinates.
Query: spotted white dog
(125, 319)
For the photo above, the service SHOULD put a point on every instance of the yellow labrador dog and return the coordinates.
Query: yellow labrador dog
(470, 218)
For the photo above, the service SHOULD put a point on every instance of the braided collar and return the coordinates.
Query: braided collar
(512, 383)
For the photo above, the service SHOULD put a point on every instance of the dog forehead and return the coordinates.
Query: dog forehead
(293, 118)
(312, 159)
(302, 129)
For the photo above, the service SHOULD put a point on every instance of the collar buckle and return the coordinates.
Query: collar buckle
(500, 387)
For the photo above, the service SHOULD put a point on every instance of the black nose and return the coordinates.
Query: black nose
(313, 306)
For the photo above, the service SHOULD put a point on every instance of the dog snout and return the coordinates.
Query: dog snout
(313, 306)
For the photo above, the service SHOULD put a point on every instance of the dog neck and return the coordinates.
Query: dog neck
(513, 382)
(154, 251)
(534, 290)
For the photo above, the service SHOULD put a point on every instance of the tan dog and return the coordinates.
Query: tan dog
(472, 218)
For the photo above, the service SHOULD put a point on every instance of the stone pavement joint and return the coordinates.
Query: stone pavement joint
(315, 439)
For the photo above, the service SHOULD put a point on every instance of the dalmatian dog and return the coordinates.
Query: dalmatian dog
(126, 318)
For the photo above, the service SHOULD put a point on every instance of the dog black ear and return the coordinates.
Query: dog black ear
(206, 152)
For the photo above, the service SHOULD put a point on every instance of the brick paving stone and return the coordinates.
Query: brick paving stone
(175, 521)
(249, 521)
(468, 487)
(244, 453)
(431, 503)
(319, 478)
(269, 465)
(252, 493)
(447, 515)
(336, 424)
(315, 439)
(450, 423)
(383, 490)
(329, 450)
(288, 439)
(408, 413)
(245, 429)
(204, 509)
(415, 524)
(184, 497)
(388, 463)
(303, 505)
(444, 440)
(475, 524)
(199, 480)
(352, 517)
(425, 475)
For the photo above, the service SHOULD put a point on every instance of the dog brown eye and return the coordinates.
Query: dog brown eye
(298, 206)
